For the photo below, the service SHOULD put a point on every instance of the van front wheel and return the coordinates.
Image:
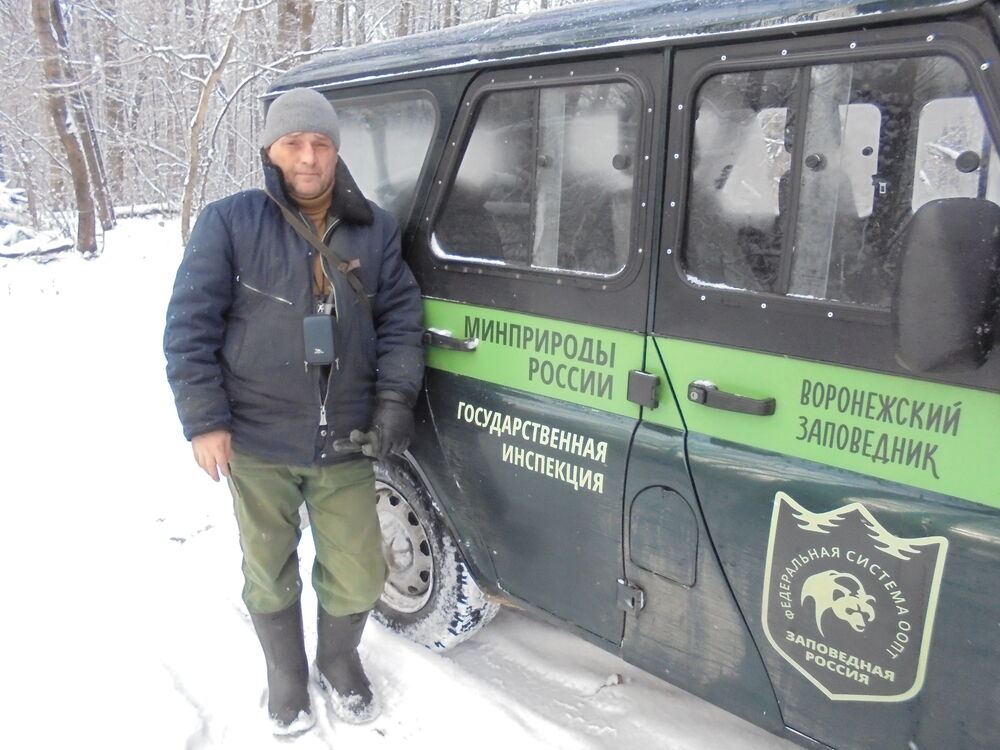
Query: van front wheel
(429, 596)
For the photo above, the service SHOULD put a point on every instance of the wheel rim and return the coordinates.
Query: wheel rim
(407, 551)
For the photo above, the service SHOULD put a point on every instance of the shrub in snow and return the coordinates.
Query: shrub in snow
(11, 199)
(16, 234)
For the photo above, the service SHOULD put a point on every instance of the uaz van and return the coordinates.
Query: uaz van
(711, 295)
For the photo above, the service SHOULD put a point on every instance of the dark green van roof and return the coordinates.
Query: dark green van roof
(606, 24)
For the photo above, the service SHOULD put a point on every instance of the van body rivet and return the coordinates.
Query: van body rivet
(985, 66)
(673, 204)
(670, 251)
(680, 106)
(829, 315)
(931, 37)
(723, 58)
(644, 204)
(784, 52)
(703, 298)
(763, 305)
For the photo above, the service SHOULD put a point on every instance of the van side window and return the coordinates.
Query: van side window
(385, 141)
(546, 180)
(802, 178)
(739, 171)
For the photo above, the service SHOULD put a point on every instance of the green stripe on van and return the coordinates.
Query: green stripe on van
(581, 364)
(929, 435)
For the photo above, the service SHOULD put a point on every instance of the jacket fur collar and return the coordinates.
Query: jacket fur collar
(348, 203)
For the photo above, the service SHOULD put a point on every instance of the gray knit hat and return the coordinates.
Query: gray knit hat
(301, 111)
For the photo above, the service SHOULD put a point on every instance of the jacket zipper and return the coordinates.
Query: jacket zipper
(336, 313)
(322, 265)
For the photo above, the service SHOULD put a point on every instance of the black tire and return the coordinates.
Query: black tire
(430, 596)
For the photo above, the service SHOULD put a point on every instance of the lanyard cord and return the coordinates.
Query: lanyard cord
(344, 266)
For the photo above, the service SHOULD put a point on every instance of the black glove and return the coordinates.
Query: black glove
(392, 427)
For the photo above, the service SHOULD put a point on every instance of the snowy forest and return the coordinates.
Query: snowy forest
(119, 107)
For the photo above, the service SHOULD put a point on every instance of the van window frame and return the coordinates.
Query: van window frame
(534, 78)
(825, 330)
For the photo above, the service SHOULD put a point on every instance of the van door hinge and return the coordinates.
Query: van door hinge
(642, 388)
(631, 598)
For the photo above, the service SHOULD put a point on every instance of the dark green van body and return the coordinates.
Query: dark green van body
(716, 373)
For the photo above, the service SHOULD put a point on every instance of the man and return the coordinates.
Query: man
(273, 414)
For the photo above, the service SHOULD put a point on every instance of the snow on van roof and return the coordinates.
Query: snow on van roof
(579, 28)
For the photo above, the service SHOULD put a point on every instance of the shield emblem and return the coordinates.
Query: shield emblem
(849, 604)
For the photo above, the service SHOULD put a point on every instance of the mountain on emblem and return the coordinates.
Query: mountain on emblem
(849, 604)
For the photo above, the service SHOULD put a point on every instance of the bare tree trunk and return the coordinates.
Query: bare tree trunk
(115, 104)
(29, 185)
(95, 164)
(338, 23)
(197, 124)
(405, 12)
(360, 27)
(86, 233)
(307, 18)
(84, 122)
(287, 26)
(295, 25)
(493, 9)
(113, 97)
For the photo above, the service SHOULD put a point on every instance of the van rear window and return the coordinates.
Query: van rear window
(384, 141)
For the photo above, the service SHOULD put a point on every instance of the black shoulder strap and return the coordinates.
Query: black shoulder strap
(344, 266)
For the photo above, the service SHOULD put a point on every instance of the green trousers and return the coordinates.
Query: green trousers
(349, 570)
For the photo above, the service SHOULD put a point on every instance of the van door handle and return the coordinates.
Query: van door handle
(708, 394)
(444, 340)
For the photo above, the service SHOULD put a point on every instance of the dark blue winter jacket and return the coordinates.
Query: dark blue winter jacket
(234, 342)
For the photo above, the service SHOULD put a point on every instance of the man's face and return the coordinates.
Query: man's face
(307, 161)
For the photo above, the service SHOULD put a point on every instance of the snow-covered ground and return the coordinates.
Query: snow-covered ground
(123, 625)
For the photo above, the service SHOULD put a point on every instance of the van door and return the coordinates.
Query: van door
(534, 264)
(849, 488)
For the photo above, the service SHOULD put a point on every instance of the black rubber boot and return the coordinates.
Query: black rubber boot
(280, 635)
(339, 671)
